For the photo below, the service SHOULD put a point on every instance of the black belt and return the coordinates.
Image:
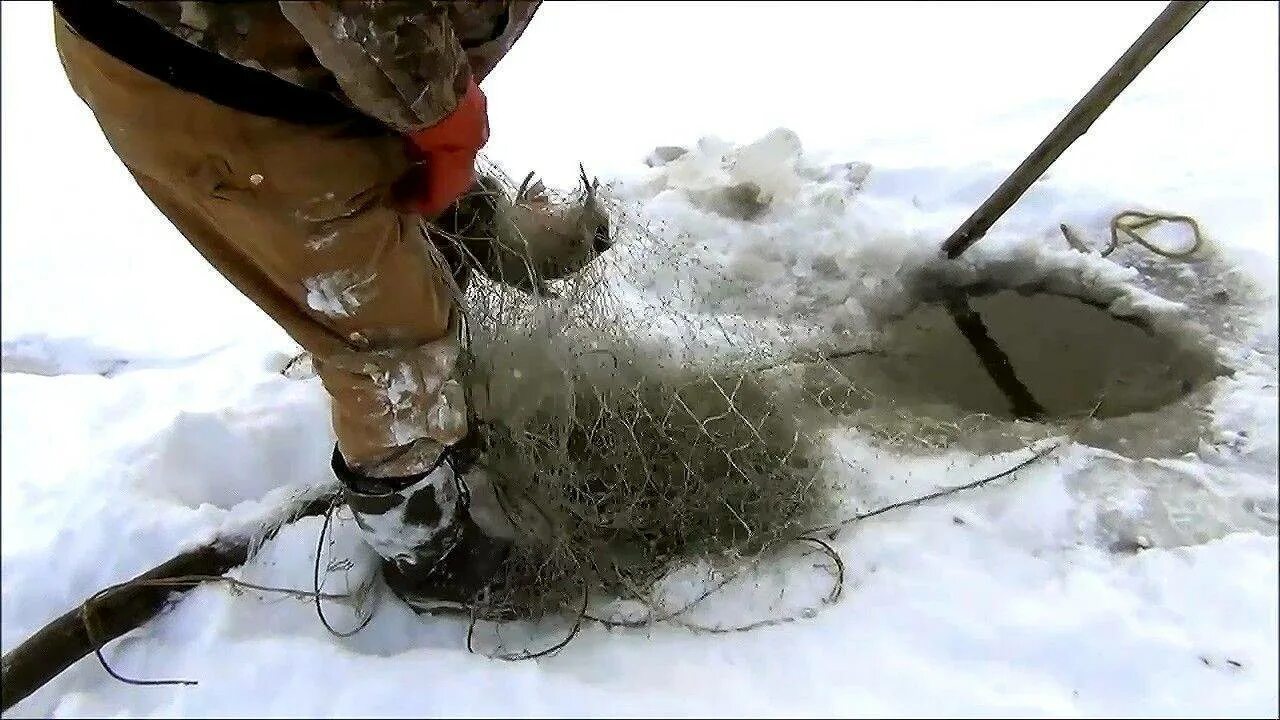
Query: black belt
(146, 46)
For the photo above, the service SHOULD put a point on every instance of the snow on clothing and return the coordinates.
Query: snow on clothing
(291, 184)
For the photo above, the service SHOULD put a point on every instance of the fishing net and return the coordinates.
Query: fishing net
(624, 434)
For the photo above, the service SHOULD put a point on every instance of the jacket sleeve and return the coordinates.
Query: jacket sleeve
(399, 61)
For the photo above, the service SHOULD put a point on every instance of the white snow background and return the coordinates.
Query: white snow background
(143, 408)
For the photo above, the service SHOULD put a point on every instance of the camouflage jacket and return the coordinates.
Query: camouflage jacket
(403, 62)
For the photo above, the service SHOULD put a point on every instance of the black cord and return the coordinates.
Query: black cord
(324, 531)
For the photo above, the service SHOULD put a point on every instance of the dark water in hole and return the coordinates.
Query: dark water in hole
(1067, 353)
(929, 383)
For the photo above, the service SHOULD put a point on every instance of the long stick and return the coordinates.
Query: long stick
(1163, 29)
(58, 645)
(993, 359)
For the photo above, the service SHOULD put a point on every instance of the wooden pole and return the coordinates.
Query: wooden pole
(58, 645)
(1163, 29)
(993, 359)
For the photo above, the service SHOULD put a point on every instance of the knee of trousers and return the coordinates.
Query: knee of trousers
(395, 409)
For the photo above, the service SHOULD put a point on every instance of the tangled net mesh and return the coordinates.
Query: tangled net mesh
(625, 436)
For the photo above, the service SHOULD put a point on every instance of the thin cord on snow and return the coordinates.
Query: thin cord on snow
(1125, 226)
(651, 619)
(833, 595)
(939, 494)
(315, 577)
(838, 589)
(516, 657)
(85, 616)
(88, 608)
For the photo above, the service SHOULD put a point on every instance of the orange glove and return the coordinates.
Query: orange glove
(447, 153)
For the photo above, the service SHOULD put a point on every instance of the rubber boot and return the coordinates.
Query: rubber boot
(434, 556)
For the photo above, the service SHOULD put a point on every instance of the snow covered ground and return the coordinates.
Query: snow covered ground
(143, 408)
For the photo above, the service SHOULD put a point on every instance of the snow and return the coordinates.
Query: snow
(336, 294)
(144, 410)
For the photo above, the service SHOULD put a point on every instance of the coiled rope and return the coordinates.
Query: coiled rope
(1125, 226)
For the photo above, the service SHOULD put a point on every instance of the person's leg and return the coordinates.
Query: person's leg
(299, 219)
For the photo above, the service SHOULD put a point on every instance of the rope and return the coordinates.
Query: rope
(316, 595)
(1125, 226)
(88, 610)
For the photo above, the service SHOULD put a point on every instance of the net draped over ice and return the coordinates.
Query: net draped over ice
(628, 435)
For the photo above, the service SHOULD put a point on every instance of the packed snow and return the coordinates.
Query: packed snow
(147, 406)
